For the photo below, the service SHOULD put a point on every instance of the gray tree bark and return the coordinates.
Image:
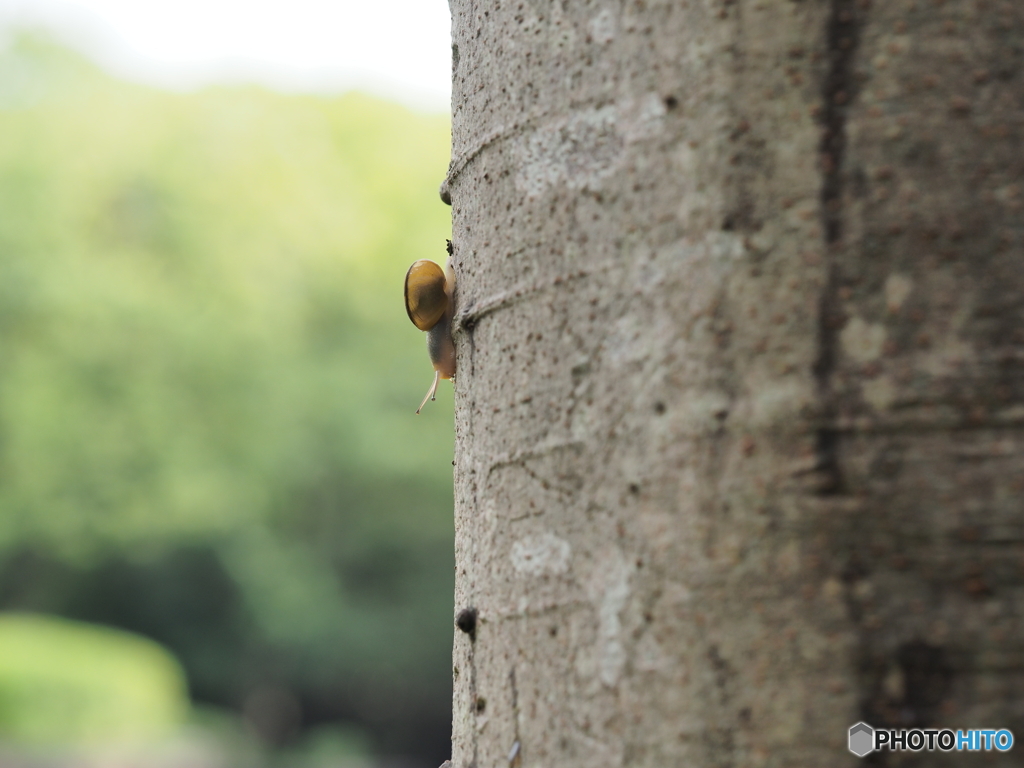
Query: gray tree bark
(739, 401)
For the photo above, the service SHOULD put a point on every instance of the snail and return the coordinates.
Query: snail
(428, 300)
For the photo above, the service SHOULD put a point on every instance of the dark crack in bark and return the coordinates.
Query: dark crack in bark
(838, 91)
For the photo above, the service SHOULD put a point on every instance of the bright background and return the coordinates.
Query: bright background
(398, 49)
(225, 538)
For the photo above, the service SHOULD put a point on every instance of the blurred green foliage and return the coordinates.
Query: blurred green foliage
(208, 385)
(61, 681)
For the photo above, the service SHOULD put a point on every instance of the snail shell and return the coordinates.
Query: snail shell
(426, 294)
(428, 300)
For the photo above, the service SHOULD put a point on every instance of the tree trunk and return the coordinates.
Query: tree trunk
(739, 396)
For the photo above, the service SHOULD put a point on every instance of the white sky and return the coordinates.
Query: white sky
(395, 48)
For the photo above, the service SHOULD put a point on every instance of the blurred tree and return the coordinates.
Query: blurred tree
(739, 404)
(207, 386)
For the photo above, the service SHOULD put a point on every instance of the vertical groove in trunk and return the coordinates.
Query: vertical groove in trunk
(840, 88)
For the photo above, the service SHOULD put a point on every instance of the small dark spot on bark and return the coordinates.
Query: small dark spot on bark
(634, 489)
(853, 571)
(977, 587)
(720, 666)
(659, 407)
(969, 533)
(959, 106)
(741, 128)
(481, 704)
(466, 621)
(671, 102)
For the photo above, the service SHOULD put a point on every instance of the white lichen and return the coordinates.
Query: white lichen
(897, 288)
(863, 341)
(541, 554)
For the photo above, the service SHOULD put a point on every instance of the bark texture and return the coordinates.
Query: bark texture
(739, 405)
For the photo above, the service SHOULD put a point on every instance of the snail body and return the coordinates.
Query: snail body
(428, 300)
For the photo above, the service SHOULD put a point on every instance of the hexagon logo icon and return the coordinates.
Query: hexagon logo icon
(862, 739)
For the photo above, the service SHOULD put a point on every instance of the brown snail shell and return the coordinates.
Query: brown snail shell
(428, 300)
(426, 297)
